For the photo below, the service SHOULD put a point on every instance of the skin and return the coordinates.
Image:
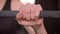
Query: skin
(28, 16)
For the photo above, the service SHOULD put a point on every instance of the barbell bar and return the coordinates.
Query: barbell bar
(43, 14)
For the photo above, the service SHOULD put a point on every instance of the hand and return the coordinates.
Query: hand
(29, 15)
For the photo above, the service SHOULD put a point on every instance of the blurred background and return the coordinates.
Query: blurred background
(52, 25)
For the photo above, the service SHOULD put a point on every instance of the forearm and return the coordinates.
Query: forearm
(41, 30)
(30, 30)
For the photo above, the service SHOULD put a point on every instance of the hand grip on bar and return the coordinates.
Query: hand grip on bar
(43, 14)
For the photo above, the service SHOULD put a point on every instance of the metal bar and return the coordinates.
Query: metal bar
(50, 14)
(8, 13)
(43, 14)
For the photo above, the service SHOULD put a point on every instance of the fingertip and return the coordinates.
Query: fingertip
(36, 18)
(24, 17)
(27, 19)
(19, 16)
(32, 16)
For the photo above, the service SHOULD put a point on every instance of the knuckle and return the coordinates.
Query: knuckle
(39, 7)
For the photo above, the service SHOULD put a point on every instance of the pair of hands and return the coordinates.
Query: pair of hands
(29, 15)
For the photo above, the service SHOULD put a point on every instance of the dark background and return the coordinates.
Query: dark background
(48, 4)
(52, 25)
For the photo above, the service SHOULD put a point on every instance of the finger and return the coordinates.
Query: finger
(32, 12)
(23, 9)
(19, 15)
(24, 17)
(38, 10)
(27, 12)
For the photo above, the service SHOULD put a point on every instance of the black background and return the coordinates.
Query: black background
(52, 25)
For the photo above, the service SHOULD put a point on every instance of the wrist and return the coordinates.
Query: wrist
(30, 30)
(41, 30)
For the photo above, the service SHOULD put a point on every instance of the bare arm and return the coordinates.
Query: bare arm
(40, 30)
